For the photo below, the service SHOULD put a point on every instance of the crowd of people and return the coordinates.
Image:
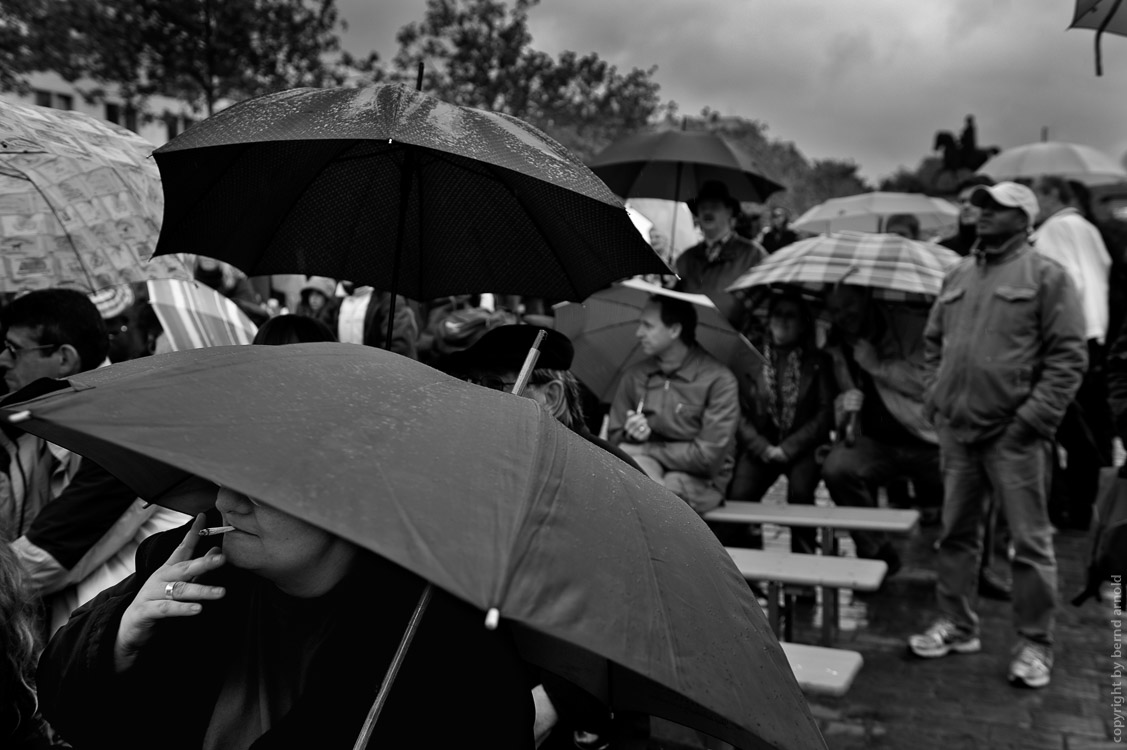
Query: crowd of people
(965, 409)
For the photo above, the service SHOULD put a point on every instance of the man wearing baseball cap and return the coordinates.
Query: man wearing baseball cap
(1006, 352)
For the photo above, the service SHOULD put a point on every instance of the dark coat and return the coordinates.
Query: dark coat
(813, 413)
(404, 331)
(711, 278)
(461, 685)
(1116, 372)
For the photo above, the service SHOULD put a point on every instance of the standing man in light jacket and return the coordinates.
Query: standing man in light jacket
(1006, 353)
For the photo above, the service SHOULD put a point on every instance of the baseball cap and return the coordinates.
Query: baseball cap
(1008, 194)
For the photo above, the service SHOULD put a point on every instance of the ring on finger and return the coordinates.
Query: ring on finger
(169, 589)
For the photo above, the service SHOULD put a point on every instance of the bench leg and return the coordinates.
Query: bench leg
(829, 595)
(773, 607)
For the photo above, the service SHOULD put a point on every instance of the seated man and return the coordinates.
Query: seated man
(677, 411)
(878, 353)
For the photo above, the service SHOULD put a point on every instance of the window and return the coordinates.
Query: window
(64, 101)
(113, 113)
(131, 118)
(42, 98)
(171, 125)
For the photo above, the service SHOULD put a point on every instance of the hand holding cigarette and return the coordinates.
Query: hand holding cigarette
(169, 592)
(636, 426)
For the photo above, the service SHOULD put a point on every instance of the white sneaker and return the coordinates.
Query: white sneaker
(942, 638)
(1032, 666)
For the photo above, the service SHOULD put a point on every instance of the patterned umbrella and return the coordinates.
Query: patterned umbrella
(867, 212)
(80, 203)
(1072, 161)
(194, 316)
(897, 269)
(390, 187)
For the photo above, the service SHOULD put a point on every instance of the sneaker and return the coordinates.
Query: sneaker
(941, 639)
(1032, 665)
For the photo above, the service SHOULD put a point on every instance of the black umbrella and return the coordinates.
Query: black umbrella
(387, 186)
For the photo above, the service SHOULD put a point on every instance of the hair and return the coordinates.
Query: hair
(572, 415)
(678, 312)
(19, 644)
(1082, 199)
(976, 180)
(292, 329)
(62, 317)
(910, 221)
(1052, 184)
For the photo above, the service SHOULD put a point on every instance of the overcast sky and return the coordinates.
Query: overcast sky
(870, 80)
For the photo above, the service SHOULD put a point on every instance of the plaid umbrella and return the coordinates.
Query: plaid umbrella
(194, 316)
(80, 203)
(1072, 161)
(897, 269)
(867, 212)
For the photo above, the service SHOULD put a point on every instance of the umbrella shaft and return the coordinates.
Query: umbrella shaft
(393, 669)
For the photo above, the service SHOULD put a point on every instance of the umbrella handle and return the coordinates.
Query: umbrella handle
(393, 669)
(529, 365)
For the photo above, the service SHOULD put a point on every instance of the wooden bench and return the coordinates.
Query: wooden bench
(788, 568)
(823, 671)
(891, 521)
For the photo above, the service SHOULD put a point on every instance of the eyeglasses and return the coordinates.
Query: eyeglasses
(15, 350)
(494, 383)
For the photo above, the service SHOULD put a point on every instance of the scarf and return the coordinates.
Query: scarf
(782, 387)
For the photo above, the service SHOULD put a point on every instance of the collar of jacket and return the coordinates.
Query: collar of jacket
(1012, 248)
(688, 370)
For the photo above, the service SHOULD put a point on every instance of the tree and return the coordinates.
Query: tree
(479, 53)
(199, 51)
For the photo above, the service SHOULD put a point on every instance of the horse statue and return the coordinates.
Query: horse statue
(962, 153)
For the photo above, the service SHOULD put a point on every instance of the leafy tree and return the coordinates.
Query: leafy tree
(479, 53)
(198, 51)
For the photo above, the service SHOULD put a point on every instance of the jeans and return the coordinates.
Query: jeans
(851, 471)
(1017, 475)
(753, 477)
(699, 492)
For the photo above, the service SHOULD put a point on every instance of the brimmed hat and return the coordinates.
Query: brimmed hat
(113, 301)
(322, 284)
(714, 190)
(505, 348)
(1008, 194)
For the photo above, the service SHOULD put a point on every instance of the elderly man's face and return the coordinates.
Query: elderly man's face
(653, 335)
(714, 217)
(995, 220)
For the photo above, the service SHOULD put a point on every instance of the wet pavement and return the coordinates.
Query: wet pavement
(963, 702)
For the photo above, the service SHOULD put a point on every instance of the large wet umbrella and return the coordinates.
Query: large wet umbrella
(80, 203)
(675, 164)
(868, 212)
(602, 328)
(1072, 161)
(1100, 15)
(580, 553)
(389, 187)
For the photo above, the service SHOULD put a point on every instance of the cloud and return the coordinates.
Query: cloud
(870, 80)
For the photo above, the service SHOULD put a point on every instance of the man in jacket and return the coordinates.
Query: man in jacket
(677, 411)
(1006, 353)
(878, 354)
(1086, 431)
(710, 267)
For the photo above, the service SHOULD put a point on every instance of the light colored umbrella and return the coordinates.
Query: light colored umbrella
(867, 212)
(1071, 161)
(1101, 16)
(80, 203)
(673, 220)
(602, 330)
(195, 316)
(895, 268)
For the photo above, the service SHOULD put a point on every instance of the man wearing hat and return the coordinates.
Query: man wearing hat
(1006, 351)
(711, 266)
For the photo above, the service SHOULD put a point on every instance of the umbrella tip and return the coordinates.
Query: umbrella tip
(492, 618)
(19, 416)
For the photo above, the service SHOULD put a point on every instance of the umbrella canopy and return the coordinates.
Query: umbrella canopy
(576, 550)
(194, 316)
(674, 164)
(866, 213)
(1100, 15)
(389, 187)
(80, 203)
(897, 269)
(1072, 161)
(602, 329)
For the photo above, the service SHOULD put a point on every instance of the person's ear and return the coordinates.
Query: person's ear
(554, 397)
(70, 362)
(675, 330)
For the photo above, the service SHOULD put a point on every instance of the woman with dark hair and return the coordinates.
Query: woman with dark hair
(20, 725)
(786, 412)
(293, 329)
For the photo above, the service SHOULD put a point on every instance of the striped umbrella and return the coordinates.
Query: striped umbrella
(897, 269)
(195, 316)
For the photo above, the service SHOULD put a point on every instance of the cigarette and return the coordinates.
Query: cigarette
(216, 530)
(641, 403)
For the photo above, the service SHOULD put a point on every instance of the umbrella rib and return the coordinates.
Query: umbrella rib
(70, 239)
